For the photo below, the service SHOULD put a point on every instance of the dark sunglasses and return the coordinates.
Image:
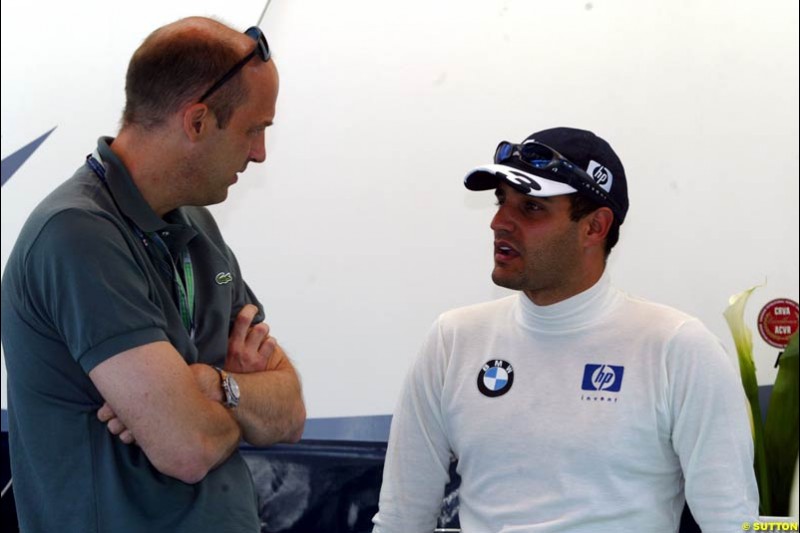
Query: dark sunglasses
(261, 49)
(542, 157)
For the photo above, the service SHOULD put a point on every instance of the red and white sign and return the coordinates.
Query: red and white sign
(777, 321)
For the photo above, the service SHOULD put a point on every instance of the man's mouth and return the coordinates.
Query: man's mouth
(503, 251)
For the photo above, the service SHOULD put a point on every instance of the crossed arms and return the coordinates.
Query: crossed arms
(173, 411)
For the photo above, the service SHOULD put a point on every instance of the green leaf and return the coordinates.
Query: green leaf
(781, 435)
(743, 339)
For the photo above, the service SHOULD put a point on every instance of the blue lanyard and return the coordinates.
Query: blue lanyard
(184, 287)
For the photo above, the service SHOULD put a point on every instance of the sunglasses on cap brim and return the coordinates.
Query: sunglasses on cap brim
(545, 159)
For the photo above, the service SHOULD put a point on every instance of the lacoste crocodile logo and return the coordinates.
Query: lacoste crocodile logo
(223, 278)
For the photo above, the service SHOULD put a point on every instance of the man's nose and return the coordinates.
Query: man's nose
(258, 150)
(502, 221)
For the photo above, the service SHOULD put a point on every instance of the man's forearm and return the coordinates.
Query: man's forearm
(219, 436)
(271, 408)
(150, 394)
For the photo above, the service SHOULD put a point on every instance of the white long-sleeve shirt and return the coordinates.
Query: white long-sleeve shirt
(601, 413)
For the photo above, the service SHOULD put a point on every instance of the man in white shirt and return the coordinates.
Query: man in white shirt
(569, 406)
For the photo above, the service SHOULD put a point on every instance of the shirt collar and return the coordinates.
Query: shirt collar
(574, 313)
(126, 195)
(174, 229)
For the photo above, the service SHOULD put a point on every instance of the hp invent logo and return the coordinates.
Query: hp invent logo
(606, 378)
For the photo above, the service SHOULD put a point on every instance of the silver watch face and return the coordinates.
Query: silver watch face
(234, 388)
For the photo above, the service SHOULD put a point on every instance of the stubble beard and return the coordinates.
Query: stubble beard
(516, 281)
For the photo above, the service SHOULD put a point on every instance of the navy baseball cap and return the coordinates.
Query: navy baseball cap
(558, 161)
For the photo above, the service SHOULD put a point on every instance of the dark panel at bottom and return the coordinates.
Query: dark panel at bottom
(324, 486)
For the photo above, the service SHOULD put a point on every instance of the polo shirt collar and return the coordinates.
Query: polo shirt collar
(174, 229)
(126, 195)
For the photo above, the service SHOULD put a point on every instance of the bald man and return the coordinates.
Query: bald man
(137, 356)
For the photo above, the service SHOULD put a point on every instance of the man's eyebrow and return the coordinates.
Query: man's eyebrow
(544, 198)
(500, 192)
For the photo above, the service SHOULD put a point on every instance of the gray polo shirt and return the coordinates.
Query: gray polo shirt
(84, 283)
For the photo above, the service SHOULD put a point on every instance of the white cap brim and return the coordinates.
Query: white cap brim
(487, 177)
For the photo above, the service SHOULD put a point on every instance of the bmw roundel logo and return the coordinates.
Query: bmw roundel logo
(495, 378)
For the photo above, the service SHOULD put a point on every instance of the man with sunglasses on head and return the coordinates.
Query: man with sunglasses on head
(569, 406)
(137, 356)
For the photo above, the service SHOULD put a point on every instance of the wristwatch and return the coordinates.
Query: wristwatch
(230, 389)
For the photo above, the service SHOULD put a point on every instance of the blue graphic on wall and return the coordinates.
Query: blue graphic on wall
(13, 162)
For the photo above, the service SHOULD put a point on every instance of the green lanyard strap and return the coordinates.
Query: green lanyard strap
(185, 293)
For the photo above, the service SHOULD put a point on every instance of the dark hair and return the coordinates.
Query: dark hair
(166, 74)
(580, 206)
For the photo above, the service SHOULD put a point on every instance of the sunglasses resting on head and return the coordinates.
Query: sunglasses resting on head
(261, 50)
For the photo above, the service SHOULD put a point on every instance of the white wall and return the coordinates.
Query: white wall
(357, 231)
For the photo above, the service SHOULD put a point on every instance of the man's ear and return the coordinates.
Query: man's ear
(197, 121)
(598, 225)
